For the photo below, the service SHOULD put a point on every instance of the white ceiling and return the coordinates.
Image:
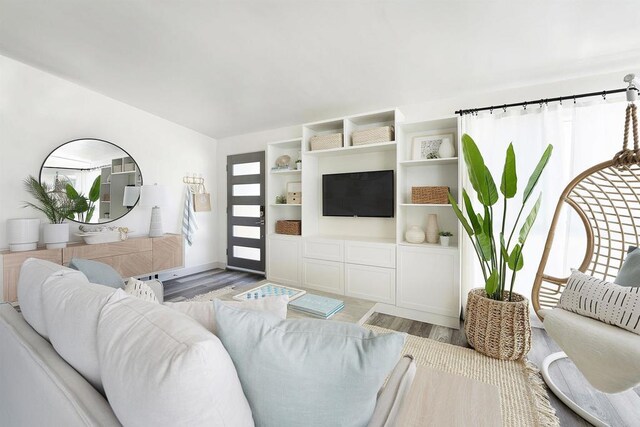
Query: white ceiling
(231, 67)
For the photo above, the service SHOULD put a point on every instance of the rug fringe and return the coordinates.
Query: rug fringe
(546, 414)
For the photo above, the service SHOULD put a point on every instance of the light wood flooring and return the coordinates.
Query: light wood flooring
(617, 410)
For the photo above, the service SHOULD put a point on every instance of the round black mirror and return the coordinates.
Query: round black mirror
(101, 178)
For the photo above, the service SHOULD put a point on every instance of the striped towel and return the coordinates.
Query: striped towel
(189, 223)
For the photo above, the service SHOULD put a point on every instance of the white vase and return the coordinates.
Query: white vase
(23, 234)
(446, 149)
(445, 240)
(432, 228)
(414, 234)
(56, 235)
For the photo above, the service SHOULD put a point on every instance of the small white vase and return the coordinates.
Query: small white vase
(414, 234)
(445, 240)
(432, 228)
(56, 235)
(446, 149)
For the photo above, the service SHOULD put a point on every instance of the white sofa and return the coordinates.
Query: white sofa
(39, 387)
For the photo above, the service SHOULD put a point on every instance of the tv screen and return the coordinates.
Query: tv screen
(364, 194)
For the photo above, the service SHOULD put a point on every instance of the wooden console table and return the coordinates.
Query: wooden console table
(136, 256)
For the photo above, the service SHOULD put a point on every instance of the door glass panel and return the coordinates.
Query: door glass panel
(246, 190)
(246, 232)
(240, 169)
(250, 211)
(246, 253)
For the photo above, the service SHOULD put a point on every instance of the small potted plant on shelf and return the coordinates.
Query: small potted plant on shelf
(299, 164)
(496, 318)
(56, 206)
(445, 238)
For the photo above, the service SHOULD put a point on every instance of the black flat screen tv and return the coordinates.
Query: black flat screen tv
(358, 194)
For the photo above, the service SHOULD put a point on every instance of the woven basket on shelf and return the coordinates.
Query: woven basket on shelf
(499, 329)
(430, 195)
(324, 142)
(289, 226)
(372, 136)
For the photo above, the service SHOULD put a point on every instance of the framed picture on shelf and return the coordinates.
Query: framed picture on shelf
(427, 146)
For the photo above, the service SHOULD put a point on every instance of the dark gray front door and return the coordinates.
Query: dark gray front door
(245, 212)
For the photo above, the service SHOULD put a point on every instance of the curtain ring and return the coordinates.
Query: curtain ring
(525, 106)
(504, 108)
(604, 95)
(560, 101)
(491, 110)
(574, 99)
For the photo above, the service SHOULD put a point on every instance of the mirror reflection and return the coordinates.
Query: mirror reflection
(99, 176)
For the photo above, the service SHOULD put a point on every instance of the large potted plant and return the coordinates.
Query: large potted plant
(56, 206)
(496, 318)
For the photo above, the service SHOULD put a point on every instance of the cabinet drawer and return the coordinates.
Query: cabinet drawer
(372, 283)
(325, 249)
(129, 246)
(130, 265)
(323, 275)
(374, 254)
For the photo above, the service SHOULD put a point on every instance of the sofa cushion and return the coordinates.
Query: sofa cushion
(161, 368)
(33, 273)
(98, 272)
(629, 274)
(71, 307)
(203, 312)
(314, 372)
(140, 289)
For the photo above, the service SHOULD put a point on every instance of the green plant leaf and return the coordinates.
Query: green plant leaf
(503, 247)
(94, 192)
(509, 184)
(460, 215)
(490, 197)
(471, 213)
(484, 242)
(71, 192)
(475, 167)
(491, 285)
(516, 261)
(90, 214)
(81, 204)
(535, 175)
(528, 223)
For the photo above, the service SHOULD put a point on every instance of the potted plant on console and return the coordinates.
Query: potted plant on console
(56, 206)
(496, 318)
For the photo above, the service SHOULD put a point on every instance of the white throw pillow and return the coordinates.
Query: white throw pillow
(160, 368)
(71, 307)
(601, 300)
(204, 313)
(33, 273)
(141, 290)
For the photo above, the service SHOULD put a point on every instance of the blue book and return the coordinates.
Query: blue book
(317, 305)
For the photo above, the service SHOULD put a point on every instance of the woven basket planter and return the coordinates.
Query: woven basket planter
(499, 329)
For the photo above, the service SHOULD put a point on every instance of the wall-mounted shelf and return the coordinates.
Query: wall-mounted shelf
(279, 205)
(430, 162)
(430, 245)
(426, 205)
(287, 172)
(357, 149)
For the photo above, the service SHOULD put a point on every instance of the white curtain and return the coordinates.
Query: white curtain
(582, 135)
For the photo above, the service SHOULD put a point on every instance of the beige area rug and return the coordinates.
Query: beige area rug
(523, 397)
(209, 296)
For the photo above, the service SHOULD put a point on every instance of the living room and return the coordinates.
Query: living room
(415, 178)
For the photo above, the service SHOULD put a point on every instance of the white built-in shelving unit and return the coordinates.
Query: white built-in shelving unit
(369, 257)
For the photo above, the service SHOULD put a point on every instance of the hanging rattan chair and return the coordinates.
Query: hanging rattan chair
(606, 197)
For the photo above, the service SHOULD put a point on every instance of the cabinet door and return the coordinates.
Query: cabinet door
(284, 260)
(326, 249)
(372, 283)
(323, 275)
(167, 252)
(428, 280)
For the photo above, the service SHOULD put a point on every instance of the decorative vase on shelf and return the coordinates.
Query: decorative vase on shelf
(445, 240)
(414, 234)
(56, 236)
(432, 228)
(446, 149)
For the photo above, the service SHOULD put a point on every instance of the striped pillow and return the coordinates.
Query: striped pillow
(601, 300)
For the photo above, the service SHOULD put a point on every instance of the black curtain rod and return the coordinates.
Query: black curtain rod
(540, 102)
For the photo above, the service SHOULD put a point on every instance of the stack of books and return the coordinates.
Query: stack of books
(317, 305)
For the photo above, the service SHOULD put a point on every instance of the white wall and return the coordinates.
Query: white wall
(432, 109)
(39, 111)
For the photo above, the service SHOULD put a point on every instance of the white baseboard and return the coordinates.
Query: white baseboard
(191, 270)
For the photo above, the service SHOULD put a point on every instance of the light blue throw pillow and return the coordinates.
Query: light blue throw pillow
(629, 274)
(97, 272)
(306, 372)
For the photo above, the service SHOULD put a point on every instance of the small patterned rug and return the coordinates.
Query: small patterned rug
(210, 296)
(523, 396)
